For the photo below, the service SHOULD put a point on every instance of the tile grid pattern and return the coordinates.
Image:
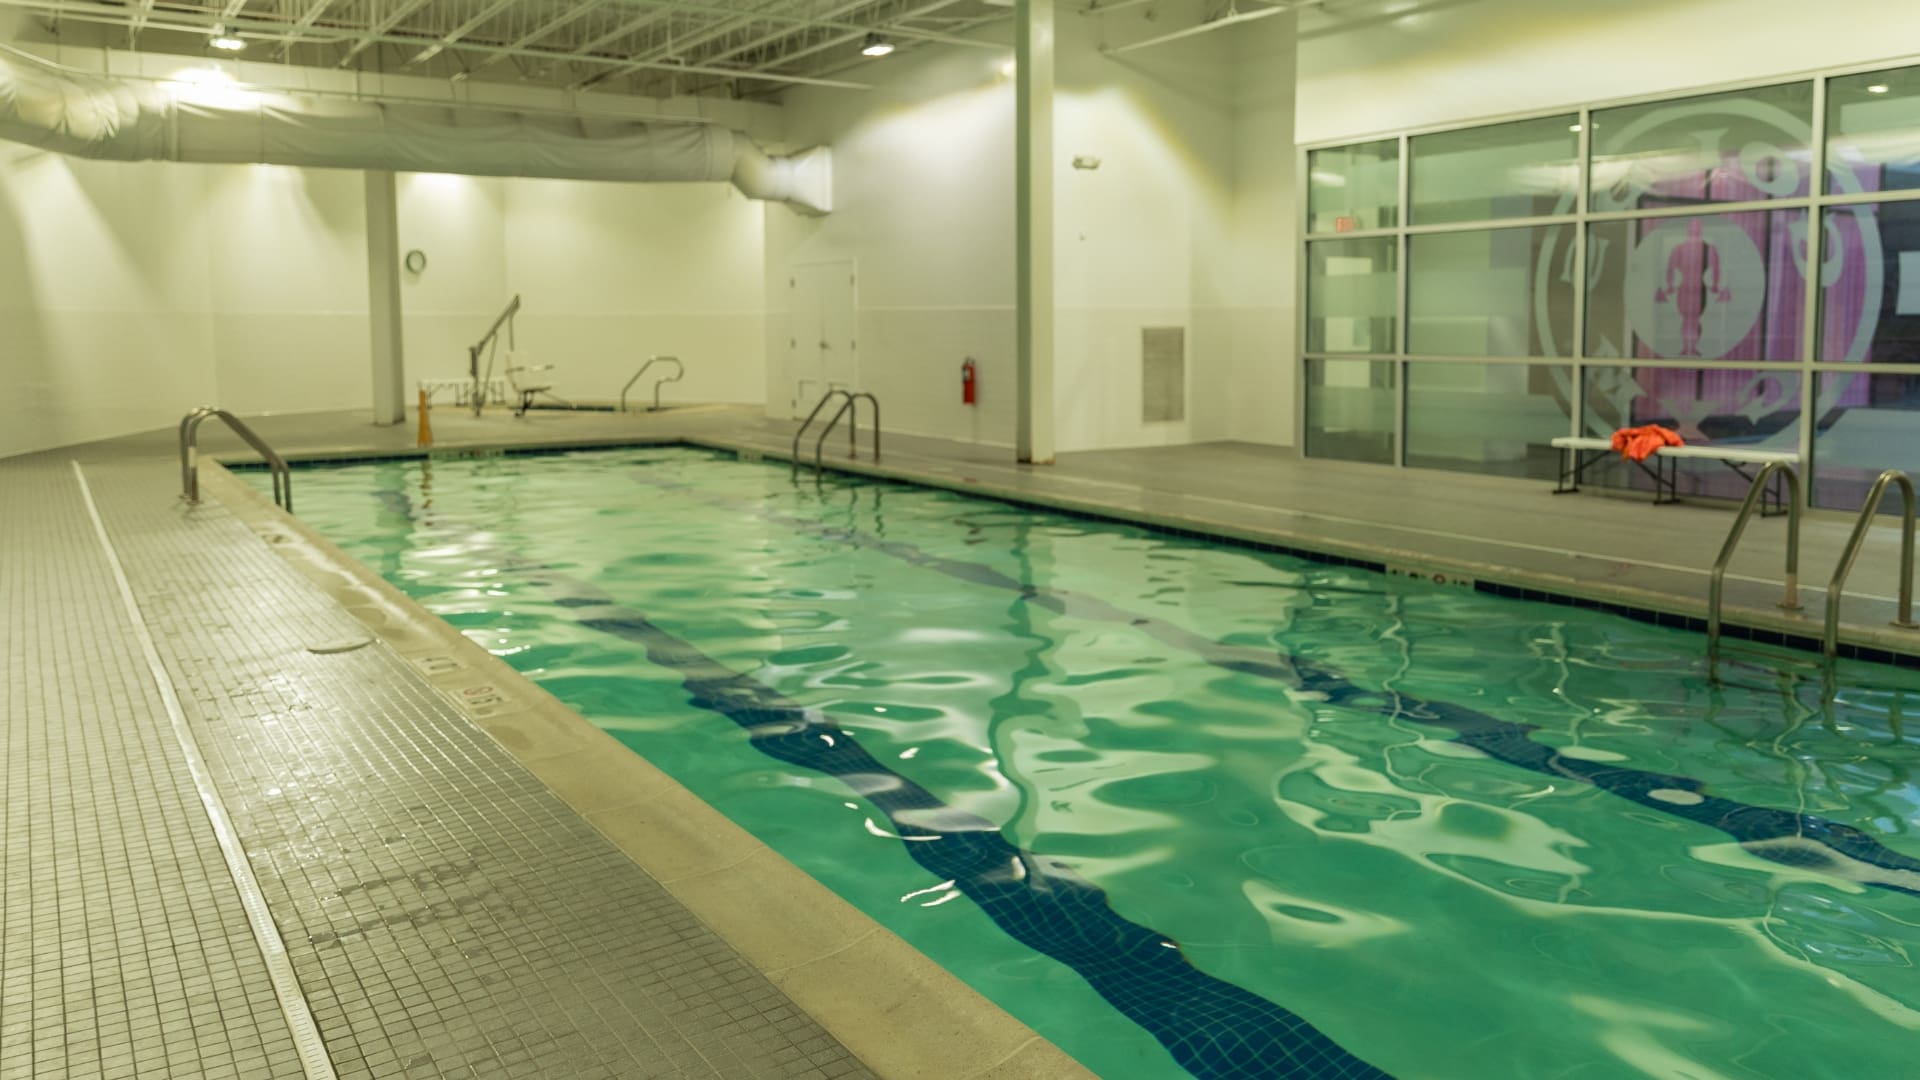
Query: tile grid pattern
(126, 951)
(447, 915)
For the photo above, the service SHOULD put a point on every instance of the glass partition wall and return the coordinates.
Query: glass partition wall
(1472, 293)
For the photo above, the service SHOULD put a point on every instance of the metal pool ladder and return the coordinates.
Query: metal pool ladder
(190, 456)
(679, 372)
(1830, 642)
(849, 404)
(1717, 583)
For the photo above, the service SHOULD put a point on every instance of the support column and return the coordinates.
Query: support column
(1033, 227)
(383, 298)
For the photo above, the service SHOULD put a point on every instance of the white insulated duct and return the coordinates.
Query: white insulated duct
(114, 120)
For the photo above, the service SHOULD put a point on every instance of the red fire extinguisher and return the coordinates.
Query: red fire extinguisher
(966, 382)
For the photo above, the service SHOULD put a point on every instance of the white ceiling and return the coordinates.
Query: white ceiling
(734, 48)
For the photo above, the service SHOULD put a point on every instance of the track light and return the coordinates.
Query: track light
(225, 41)
(876, 46)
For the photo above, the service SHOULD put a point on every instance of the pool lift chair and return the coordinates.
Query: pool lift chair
(525, 388)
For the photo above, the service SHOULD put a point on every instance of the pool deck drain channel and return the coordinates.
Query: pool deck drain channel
(286, 988)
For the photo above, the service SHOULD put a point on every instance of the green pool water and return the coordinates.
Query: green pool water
(1433, 910)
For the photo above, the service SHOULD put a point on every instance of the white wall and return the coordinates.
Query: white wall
(1159, 235)
(923, 206)
(608, 274)
(132, 293)
(1363, 71)
(1145, 239)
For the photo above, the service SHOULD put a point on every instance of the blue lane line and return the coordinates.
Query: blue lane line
(1214, 1029)
(1779, 836)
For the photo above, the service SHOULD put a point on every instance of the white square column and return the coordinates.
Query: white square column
(1033, 226)
(383, 298)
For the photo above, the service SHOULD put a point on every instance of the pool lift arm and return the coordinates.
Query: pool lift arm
(489, 344)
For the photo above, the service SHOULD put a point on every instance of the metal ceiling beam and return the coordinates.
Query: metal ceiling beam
(575, 14)
(306, 20)
(406, 8)
(768, 39)
(834, 42)
(233, 8)
(853, 31)
(457, 32)
(267, 30)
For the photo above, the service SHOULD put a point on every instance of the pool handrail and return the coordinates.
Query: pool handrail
(852, 404)
(853, 398)
(1717, 582)
(794, 456)
(190, 456)
(679, 372)
(1830, 640)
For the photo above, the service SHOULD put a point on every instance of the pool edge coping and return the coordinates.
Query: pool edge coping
(693, 850)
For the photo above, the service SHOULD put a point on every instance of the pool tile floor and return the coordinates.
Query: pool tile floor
(446, 914)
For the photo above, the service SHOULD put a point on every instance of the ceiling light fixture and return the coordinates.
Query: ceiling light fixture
(1877, 88)
(225, 41)
(876, 46)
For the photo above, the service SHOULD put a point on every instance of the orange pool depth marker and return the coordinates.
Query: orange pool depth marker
(426, 426)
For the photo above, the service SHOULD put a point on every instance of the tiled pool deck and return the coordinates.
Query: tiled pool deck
(465, 881)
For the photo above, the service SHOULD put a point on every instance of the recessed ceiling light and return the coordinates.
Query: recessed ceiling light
(1877, 88)
(876, 46)
(224, 41)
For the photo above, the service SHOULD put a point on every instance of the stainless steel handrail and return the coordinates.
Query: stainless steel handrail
(190, 456)
(794, 457)
(1830, 643)
(851, 403)
(679, 372)
(1717, 583)
(853, 428)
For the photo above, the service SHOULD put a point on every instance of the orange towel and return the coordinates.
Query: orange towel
(1639, 443)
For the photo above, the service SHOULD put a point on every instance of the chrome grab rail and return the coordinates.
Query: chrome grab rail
(794, 456)
(1830, 642)
(853, 427)
(679, 372)
(190, 456)
(1717, 583)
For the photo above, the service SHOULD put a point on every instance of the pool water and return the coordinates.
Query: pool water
(1192, 809)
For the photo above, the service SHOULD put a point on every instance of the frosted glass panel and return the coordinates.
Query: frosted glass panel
(1502, 292)
(1873, 132)
(1524, 169)
(1496, 419)
(1870, 299)
(1350, 295)
(1350, 408)
(1733, 147)
(1715, 287)
(1354, 187)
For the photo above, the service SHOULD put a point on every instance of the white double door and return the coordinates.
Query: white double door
(822, 348)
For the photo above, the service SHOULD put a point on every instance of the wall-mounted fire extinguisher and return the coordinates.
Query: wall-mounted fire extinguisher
(966, 382)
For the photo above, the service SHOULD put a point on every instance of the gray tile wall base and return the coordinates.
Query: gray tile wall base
(902, 1014)
(1767, 624)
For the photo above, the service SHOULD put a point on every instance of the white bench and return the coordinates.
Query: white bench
(1578, 453)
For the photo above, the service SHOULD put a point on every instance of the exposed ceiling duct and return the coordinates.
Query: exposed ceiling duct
(90, 116)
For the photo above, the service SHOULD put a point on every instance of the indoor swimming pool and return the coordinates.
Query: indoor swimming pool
(1188, 808)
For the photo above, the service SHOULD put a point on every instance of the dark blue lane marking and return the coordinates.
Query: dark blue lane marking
(1760, 830)
(1213, 1028)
